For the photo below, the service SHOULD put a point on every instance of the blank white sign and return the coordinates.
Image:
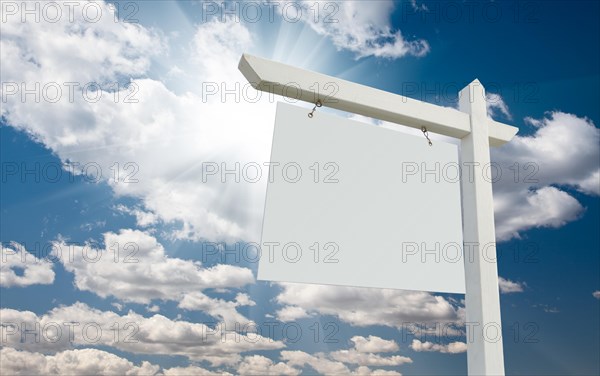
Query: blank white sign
(355, 204)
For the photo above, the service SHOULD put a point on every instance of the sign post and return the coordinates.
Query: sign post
(482, 298)
(477, 133)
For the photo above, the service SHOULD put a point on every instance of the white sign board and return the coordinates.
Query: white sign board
(355, 204)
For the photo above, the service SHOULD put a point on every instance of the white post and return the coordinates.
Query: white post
(484, 329)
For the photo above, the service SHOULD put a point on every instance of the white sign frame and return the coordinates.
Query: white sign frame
(476, 132)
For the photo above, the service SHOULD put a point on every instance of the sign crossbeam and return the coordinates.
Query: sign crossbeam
(308, 86)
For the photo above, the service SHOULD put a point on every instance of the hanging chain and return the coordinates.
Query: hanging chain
(318, 104)
(426, 134)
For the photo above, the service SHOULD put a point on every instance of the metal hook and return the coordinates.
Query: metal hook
(318, 104)
(426, 134)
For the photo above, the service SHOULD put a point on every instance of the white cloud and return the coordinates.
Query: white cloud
(365, 371)
(161, 141)
(136, 268)
(243, 299)
(65, 327)
(193, 371)
(374, 344)
(70, 362)
(159, 335)
(535, 122)
(451, 348)
(496, 105)
(153, 309)
(260, 365)
(366, 306)
(364, 352)
(291, 313)
(545, 207)
(363, 28)
(20, 268)
(563, 152)
(507, 286)
(121, 49)
(596, 294)
(418, 7)
(320, 363)
(225, 310)
(118, 306)
(353, 356)
(91, 362)
(143, 218)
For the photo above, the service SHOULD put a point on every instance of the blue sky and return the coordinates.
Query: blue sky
(82, 174)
